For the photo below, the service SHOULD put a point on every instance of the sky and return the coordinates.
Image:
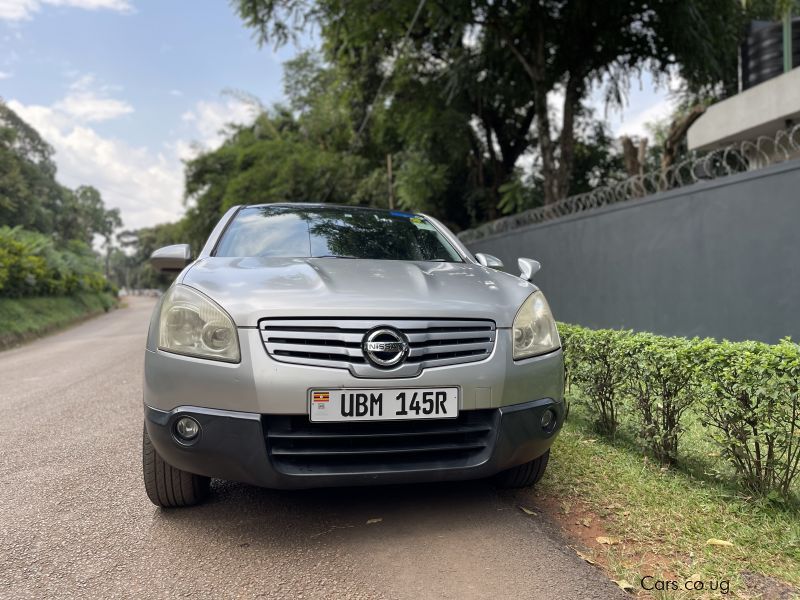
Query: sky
(124, 90)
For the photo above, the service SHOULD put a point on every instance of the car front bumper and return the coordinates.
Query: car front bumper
(255, 426)
(252, 448)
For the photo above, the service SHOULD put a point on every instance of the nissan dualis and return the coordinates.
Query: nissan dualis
(315, 345)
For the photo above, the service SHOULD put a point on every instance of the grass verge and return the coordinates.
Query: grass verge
(658, 522)
(22, 319)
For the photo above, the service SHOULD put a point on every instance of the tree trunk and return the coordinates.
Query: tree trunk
(390, 177)
(567, 140)
(108, 259)
(633, 157)
(491, 209)
(677, 131)
(555, 173)
(537, 72)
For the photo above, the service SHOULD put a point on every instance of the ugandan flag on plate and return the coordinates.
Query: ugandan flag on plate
(320, 397)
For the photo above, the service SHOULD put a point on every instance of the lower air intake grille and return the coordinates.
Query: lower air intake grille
(299, 447)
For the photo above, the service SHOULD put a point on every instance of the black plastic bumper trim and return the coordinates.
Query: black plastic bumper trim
(232, 446)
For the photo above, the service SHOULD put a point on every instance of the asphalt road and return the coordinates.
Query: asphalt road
(75, 521)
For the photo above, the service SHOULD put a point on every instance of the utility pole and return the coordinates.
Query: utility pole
(787, 39)
(391, 181)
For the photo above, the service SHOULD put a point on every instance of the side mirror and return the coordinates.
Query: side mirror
(487, 260)
(171, 258)
(528, 267)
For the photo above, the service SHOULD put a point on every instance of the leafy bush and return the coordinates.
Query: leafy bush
(594, 364)
(753, 409)
(32, 265)
(747, 393)
(660, 377)
(565, 332)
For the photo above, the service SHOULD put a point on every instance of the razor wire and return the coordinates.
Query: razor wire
(697, 167)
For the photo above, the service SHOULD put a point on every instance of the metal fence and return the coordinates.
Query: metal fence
(722, 162)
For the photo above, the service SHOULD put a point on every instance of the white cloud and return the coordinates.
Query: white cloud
(209, 119)
(5, 75)
(651, 101)
(118, 5)
(146, 186)
(88, 107)
(636, 124)
(87, 104)
(17, 10)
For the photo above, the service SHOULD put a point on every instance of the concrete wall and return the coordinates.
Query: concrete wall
(719, 259)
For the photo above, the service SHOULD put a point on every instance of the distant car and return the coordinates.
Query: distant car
(317, 345)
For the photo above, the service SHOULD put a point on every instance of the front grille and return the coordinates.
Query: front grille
(337, 343)
(300, 447)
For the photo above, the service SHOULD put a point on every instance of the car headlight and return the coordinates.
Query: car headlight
(534, 328)
(194, 325)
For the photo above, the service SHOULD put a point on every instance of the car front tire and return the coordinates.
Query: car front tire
(524, 475)
(167, 486)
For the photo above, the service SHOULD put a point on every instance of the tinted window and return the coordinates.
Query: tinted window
(328, 232)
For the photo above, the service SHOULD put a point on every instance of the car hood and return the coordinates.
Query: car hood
(253, 288)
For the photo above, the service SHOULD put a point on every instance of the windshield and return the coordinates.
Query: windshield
(321, 232)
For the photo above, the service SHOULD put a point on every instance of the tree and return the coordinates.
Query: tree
(31, 199)
(30, 195)
(129, 264)
(111, 222)
(278, 158)
(503, 62)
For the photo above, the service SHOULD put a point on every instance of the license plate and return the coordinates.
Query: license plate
(383, 404)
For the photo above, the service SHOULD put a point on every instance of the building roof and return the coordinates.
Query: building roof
(760, 110)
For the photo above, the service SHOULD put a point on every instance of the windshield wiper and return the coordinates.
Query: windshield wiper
(334, 256)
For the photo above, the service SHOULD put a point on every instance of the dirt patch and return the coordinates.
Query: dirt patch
(586, 528)
(575, 518)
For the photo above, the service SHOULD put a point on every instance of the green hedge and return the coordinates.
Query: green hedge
(747, 395)
(32, 264)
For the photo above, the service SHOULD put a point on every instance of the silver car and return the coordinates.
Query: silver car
(316, 345)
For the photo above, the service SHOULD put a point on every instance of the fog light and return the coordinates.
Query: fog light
(548, 420)
(187, 428)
